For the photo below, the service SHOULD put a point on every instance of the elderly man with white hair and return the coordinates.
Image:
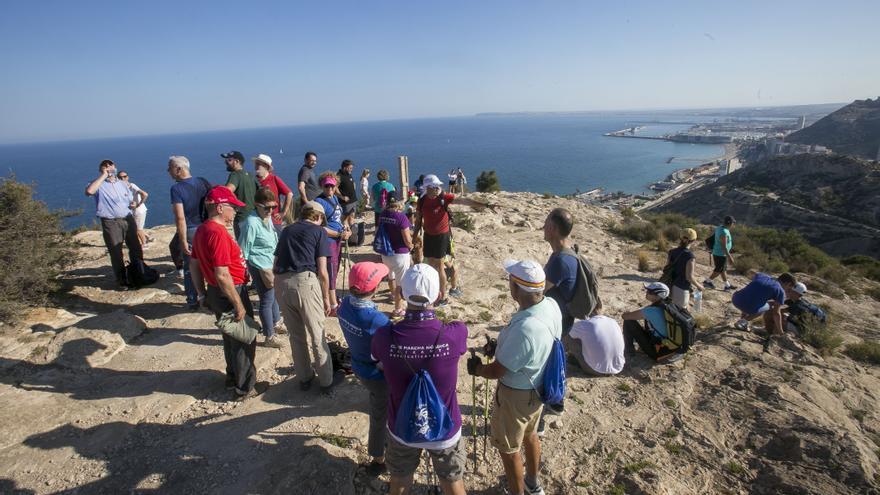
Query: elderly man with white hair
(521, 355)
(187, 194)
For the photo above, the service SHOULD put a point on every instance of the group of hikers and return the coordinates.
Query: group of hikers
(287, 248)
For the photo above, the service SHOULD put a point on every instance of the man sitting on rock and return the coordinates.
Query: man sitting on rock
(650, 335)
(597, 344)
(764, 296)
(217, 261)
(520, 358)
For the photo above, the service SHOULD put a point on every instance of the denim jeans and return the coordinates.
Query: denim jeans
(269, 311)
(188, 286)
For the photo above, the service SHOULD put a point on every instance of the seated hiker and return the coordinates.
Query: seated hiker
(521, 357)
(652, 336)
(359, 319)
(414, 352)
(597, 344)
(764, 296)
(799, 312)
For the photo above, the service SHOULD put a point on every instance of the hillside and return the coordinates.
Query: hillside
(121, 392)
(832, 200)
(852, 130)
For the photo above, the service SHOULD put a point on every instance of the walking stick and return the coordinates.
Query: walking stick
(474, 414)
(344, 263)
(485, 415)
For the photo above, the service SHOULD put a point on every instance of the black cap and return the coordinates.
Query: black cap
(234, 154)
(729, 220)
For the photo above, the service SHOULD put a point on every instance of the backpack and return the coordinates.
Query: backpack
(383, 198)
(803, 312)
(138, 274)
(382, 243)
(710, 242)
(669, 274)
(422, 415)
(586, 290)
(681, 328)
(554, 375)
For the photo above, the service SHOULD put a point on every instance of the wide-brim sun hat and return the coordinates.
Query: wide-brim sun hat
(263, 159)
(431, 180)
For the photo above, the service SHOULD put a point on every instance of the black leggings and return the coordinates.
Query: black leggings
(635, 331)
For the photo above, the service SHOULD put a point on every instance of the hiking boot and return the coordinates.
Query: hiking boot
(374, 469)
(456, 292)
(555, 409)
(729, 286)
(541, 427)
(742, 325)
(708, 284)
(272, 341)
(258, 389)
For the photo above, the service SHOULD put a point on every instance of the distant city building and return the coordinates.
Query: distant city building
(777, 147)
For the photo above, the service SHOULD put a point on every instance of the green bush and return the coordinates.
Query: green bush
(463, 221)
(865, 351)
(35, 248)
(487, 181)
(822, 336)
(863, 265)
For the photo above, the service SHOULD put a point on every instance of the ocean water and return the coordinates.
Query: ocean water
(558, 154)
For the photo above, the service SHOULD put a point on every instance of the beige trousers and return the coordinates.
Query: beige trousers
(301, 303)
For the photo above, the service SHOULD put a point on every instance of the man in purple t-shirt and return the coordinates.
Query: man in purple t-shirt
(408, 346)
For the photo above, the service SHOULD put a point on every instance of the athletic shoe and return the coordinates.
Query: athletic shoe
(708, 284)
(272, 341)
(541, 426)
(374, 469)
(279, 326)
(442, 302)
(180, 273)
(728, 286)
(456, 292)
(742, 325)
(537, 490)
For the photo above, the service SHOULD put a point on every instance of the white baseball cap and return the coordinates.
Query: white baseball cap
(431, 180)
(420, 285)
(263, 158)
(658, 289)
(527, 274)
(800, 288)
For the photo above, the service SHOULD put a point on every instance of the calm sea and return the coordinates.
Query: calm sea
(540, 153)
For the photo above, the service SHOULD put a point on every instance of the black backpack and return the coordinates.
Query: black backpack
(681, 328)
(710, 242)
(138, 274)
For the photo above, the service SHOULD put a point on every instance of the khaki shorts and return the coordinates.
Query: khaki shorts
(403, 461)
(515, 415)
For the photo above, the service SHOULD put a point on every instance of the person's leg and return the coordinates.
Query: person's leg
(245, 354)
(449, 465)
(313, 320)
(189, 288)
(267, 301)
(290, 303)
(378, 390)
(111, 229)
(333, 269)
(218, 304)
(437, 264)
(402, 462)
(634, 331)
(573, 348)
(135, 251)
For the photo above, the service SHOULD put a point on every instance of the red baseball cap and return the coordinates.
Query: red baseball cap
(366, 276)
(220, 195)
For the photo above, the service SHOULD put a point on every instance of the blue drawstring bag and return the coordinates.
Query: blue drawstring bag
(382, 243)
(422, 415)
(554, 375)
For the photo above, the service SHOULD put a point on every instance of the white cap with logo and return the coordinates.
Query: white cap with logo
(800, 288)
(527, 274)
(420, 285)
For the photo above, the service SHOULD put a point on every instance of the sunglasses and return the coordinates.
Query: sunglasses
(266, 207)
(122, 176)
(329, 185)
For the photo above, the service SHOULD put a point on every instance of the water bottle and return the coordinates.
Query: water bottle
(698, 301)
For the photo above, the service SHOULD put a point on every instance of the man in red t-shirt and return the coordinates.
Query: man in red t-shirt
(432, 213)
(265, 177)
(216, 261)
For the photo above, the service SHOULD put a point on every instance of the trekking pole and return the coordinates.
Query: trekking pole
(474, 414)
(344, 263)
(485, 416)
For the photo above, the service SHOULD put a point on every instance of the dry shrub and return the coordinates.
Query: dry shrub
(644, 261)
(865, 351)
(822, 336)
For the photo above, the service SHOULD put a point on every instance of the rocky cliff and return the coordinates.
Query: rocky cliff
(832, 200)
(852, 130)
(121, 392)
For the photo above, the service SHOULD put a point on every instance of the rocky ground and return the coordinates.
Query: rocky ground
(119, 392)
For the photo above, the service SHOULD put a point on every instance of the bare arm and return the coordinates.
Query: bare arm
(92, 188)
(407, 237)
(689, 274)
(418, 223)
(493, 370)
(301, 186)
(142, 198)
(227, 287)
(195, 271)
(324, 277)
(633, 315)
(288, 204)
(180, 223)
(723, 241)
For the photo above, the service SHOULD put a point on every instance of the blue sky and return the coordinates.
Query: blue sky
(80, 69)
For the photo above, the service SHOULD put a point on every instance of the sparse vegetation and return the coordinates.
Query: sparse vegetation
(36, 249)
(670, 433)
(644, 261)
(462, 221)
(487, 181)
(670, 403)
(485, 316)
(858, 414)
(734, 467)
(617, 489)
(674, 448)
(337, 440)
(865, 351)
(638, 466)
(703, 320)
(863, 265)
(624, 387)
(823, 337)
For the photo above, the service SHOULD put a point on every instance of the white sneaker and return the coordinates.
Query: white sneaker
(274, 342)
(538, 490)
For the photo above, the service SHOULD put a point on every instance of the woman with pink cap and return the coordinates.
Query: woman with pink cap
(336, 232)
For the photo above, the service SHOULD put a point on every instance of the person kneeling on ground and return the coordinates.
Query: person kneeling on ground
(800, 312)
(359, 319)
(650, 335)
(422, 342)
(597, 344)
(217, 261)
(764, 296)
(520, 358)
